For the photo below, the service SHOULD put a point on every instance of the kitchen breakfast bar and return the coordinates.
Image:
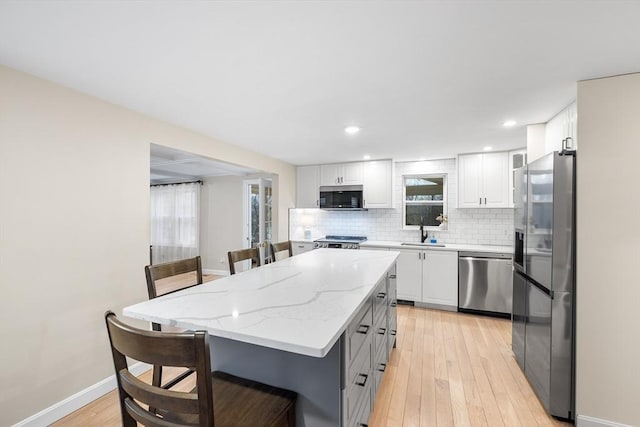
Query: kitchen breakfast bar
(322, 324)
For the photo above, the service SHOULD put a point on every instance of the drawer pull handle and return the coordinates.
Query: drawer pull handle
(381, 331)
(363, 329)
(393, 304)
(364, 379)
(393, 276)
(393, 332)
(381, 294)
(382, 367)
(363, 425)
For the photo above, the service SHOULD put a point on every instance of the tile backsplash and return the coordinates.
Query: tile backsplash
(465, 226)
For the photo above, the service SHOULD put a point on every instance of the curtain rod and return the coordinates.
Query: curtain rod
(178, 183)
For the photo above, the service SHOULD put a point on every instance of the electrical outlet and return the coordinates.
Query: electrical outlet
(221, 260)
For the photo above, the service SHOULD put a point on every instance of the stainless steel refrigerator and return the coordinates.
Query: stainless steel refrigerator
(543, 316)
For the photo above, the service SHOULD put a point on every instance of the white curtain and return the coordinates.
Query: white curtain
(175, 218)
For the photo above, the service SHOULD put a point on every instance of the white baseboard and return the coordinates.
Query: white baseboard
(72, 403)
(585, 421)
(216, 272)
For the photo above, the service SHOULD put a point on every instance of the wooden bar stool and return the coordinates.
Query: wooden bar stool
(217, 399)
(280, 247)
(242, 255)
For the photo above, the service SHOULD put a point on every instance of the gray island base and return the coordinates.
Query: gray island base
(322, 324)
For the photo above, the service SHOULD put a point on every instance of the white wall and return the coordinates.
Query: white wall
(470, 226)
(608, 254)
(74, 231)
(221, 221)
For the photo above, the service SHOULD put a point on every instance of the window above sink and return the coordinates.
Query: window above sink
(424, 200)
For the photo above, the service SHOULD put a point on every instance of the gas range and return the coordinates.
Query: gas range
(339, 242)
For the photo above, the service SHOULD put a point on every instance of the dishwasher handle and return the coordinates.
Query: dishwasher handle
(485, 255)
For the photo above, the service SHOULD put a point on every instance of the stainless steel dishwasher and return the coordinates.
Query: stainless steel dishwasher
(485, 283)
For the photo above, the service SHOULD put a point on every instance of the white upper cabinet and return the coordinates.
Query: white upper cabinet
(307, 186)
(517, 159)
(342, 174)
(378, 184)
(483, 180)
(561, 130)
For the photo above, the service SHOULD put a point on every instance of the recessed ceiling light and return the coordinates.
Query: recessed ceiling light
(509, 123)
(352, 130)
(487, 148)
(366, 157)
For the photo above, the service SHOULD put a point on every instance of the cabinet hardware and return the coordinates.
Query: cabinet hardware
(485, 201)
(393, 332)
(363, 425)
(383, 366)
(364, 381)
(363, 329)
(393, 276)
(393, 304)
(480, 200)
(381, 331)
(381, 295)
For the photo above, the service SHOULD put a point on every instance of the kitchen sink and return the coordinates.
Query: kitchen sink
(433, 245)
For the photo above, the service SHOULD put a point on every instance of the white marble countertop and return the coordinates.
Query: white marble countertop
(300, 304)
(446, 247)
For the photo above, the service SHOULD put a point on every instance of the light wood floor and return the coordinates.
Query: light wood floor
(449, 369)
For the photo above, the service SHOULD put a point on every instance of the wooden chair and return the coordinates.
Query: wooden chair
(157, 272)
(217, 399)
(241, 255)
(280, 247)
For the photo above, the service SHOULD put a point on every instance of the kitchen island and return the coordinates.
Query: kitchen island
(320, 323)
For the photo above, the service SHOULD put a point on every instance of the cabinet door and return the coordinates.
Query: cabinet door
(308, 178)
(352, 173)
(329, 174)
(409, 275)
(495, 184)
(517, 159)
(377, 185)
(469, 180)
(440, 278)
(301, 247)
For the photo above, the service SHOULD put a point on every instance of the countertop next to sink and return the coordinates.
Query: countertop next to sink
(447, 247)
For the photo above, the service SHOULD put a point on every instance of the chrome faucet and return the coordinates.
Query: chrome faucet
(423, 236)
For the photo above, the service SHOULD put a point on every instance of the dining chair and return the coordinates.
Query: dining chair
(158, 286)
(280, 247)
(241, 255)
(218, 398)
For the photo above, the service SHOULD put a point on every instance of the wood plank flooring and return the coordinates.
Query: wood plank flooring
(449, 369)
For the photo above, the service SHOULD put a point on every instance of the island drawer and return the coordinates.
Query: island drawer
(380, 300)
(379, 337)
(379, 366)
(358, 331)
(359, 380)
(361, 419)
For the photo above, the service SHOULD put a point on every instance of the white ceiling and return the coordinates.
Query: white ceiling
(169, 166)
(423, 79)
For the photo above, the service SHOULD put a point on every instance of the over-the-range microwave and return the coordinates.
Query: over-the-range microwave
(342, 197)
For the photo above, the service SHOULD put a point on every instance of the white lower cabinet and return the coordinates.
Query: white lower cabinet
(428, 276)
(440, 278)
(300, 247)
(410, 275)
(367, 346)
